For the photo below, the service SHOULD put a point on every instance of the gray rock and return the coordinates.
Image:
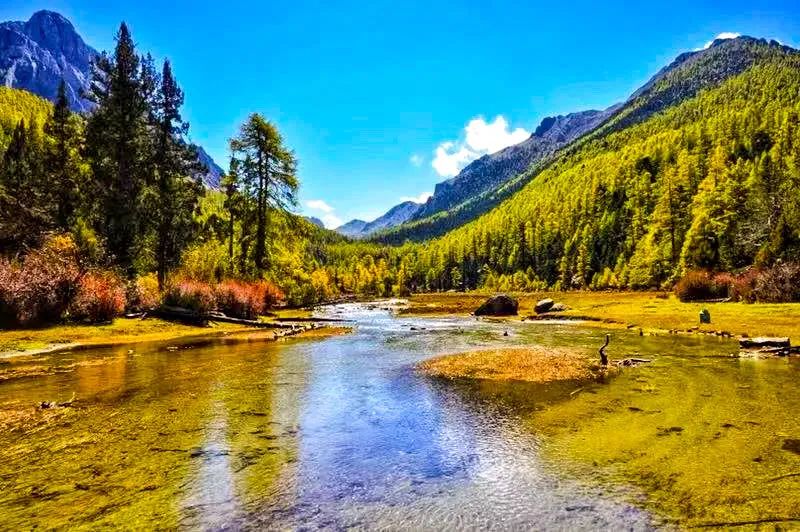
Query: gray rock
(36, 55)
(558, 307)
(544, 306)
(499, 305)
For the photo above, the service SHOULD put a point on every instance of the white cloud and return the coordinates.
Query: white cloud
(319, 205)
(331, 221)
(480, 138)
(416, 160)
(328, 217)
(494, 136)
(723, 36)
(448, 161)
(422, 198)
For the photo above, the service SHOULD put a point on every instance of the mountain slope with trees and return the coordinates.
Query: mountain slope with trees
(105, 210)
(711, 182)
(682, 79)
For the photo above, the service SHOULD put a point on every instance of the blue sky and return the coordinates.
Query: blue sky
(367, 93)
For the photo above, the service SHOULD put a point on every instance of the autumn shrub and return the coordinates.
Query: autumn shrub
(778, 284)
(100, 298)
(273, 296)
(38, 289)
(143, 293)
(699, 285)
(193, 295)
(240, 300)
(743, 285)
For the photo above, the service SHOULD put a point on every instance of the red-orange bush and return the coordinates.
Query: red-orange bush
(100, 298)
(240, 300)
(700, 285)
(743, 285)
(272, 294)
(193, 295)
(39, 289)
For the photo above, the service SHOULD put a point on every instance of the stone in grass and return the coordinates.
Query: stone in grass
(499, 305)
(544, 306)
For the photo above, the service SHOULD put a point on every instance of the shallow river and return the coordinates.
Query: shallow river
(343, 432)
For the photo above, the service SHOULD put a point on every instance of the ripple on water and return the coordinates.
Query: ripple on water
(328, 433)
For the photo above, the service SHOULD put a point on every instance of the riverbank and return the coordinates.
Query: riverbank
(123, 331)
(653, 312)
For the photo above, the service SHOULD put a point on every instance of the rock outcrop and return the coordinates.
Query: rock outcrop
(544, 305)
(499, 305)
(36, 55)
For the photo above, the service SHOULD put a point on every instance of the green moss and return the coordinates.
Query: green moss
(154, 443)
(703, 440)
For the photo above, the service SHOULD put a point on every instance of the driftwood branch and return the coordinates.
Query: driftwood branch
(194, 318)
(602, 351)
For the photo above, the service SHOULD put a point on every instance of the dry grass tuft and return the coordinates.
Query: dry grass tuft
(531, 364)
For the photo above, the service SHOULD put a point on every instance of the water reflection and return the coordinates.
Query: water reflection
(333, 433)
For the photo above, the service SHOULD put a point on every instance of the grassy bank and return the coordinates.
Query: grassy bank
(120, 331)
(651, 311)
(528, 364)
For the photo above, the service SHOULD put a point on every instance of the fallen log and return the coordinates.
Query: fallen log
(311, 320)
(194, 318)
(179, 314)
(763, 342)
(222, 318)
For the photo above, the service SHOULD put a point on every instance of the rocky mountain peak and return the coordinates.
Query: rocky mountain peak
(36, 55)
(56, 34)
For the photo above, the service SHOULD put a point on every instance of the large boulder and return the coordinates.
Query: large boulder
(544, 306)
(499, 305)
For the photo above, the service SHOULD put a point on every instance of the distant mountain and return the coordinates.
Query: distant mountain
(492, 171)
(692, 72)
(489, 181)
(395, 216)
(353, 228)
(316, 221)
(36, 55)
(213, 177)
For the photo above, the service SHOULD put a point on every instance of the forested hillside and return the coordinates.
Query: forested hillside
(17, 106)
(690, 73)
(106, 211)
(710, 183)
(699, 170)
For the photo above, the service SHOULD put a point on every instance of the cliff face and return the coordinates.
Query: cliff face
(491, 171)
(36, 55)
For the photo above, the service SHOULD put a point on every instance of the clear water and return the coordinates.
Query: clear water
(334, 433)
